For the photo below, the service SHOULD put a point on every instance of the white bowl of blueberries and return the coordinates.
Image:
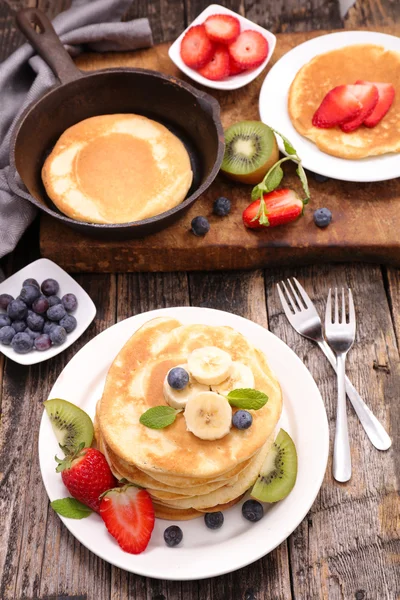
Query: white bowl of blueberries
(42, 311)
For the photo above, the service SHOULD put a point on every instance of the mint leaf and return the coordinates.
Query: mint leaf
(273, 178)
(70, 508)
(289, 149)
(303, 178)
(247, 398)
(159, 417)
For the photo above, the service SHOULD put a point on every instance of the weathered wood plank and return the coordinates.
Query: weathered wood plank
(10, 37)
(167, 17)
(282, 16)
(372, 12)
(347, 542)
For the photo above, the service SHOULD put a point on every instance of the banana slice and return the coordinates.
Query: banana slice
(179, 398)
(208, 416)
(209, 365)
(241, 376)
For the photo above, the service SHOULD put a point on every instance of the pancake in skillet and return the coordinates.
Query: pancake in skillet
(117, 169)
(135, 383)
(346, 65)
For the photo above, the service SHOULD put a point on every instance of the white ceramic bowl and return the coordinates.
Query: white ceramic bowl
(235, 81)
(43, 269)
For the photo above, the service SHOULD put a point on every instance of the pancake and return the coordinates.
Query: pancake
(117, 169)
(135, 383)
(179, 514)
(346, 65)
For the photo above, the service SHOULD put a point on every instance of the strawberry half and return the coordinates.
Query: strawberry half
(86, 475)
(250, 49)
(223, 29)
(386, 94)
(129, 517)
(218, 67)
(196, 48)
(276, 208)
(338, 106)
(368, 96)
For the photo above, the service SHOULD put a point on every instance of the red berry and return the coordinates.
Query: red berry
(338, 106)
(223, 29)
(234, 67)
(386, 95)
(280, 207)
(129, 517)
(368, 96)
(196, 48)
(86, 475)
(250, 49)
(218, 67)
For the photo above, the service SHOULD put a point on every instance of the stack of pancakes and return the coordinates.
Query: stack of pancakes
(185, 476)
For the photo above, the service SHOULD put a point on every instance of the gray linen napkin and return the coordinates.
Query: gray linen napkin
(24, 77)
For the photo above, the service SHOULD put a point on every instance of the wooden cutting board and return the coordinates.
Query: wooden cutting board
(366, 217)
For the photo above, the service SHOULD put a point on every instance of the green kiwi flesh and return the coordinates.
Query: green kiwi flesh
(279, 471)
(248, 146)
(71, 425)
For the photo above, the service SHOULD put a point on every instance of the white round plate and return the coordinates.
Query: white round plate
(203, 553)
(274, 112)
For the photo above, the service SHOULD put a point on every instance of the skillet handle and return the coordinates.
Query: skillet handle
(38, 29)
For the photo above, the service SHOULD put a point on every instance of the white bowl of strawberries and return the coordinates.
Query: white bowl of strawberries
(222, 50)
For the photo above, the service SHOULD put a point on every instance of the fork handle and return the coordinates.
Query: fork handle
(341, 467)
(372, 427)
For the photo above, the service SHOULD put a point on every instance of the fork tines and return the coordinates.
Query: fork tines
(346, 316)
(291, 300)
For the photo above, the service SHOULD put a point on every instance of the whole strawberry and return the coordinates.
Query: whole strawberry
(86, 475)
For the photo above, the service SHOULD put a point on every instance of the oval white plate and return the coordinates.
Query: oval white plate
(203, 553)
(273, 109)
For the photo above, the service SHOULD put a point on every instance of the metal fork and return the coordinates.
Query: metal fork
(303, 317)
(340, 333)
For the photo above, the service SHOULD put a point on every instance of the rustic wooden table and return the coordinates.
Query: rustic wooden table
(347, 547)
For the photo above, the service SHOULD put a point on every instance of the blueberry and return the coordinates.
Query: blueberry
(69, 323)
(200, 226)
(43, 342)
(41, 305)
(53, 300)
(5, 300)
(22, 343)
(56, 312)
(50, 287)
(322, 217)
(252, 510)
(318, 177)
(222, 206)
(214, 520)
(18, 326)
(69, 302)
(35, 322)
(6, 335)
(32, 334)
(4, 320)
(48, 326)
(29, 293)
(58, 335)
(178, 378)
(242, 419)
(173, 535)
(31, 281)
(17, 310)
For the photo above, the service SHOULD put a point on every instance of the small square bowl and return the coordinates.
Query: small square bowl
(43, 269)
(235, 81)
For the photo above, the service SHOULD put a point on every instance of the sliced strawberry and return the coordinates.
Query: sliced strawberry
(338, 106)
(234, 67)
(223, 29)
(250, 49)
(129, 517)
(368, 96)
(386, 95)
(218, 67)
(276, 208)
(196, 48)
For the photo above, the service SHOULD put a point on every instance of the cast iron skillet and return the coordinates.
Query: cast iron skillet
(190, 114)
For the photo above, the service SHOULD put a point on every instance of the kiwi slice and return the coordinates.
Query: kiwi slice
(250, 151)
(279, 471)
(70, 423)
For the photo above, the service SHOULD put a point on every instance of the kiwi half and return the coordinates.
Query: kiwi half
(250, 151)
(279, 471)
(71, 424)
